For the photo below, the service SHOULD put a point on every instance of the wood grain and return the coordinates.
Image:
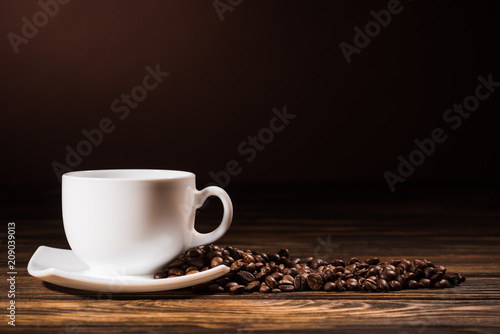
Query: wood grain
(460, 230)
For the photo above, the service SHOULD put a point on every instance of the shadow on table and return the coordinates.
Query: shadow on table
(186, 293)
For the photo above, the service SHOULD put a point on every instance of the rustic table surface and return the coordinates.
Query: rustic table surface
(458, 228)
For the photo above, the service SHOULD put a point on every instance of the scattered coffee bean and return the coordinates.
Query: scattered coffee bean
(329, 286)
(412, 284)
(352, 284)
(245, 276)
(176, 272)
(160, 274)
(252, 271)
(237, 289)
(271, 282)
(229, 285)
(216, 261)
(395, 285)
(314, 281)
(215, 288)
(300, 283)
(370, 285)
(443, 284)
(425, 283)
(383, 285)
(253, 286)
(340, 284)
(286, 287)
(264, 289)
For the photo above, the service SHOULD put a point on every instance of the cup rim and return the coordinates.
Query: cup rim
(129, 174)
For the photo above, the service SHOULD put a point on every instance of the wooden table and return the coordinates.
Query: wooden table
(458, 228)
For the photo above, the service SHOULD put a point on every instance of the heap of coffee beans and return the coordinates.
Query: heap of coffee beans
(253, 271)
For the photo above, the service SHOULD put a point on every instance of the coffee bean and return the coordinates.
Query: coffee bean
(371, 272)
(437, 277)
(245, 276)
(409, 276)
(286, 282)
(412, 284)
(383, 285)
(276, 290)
(222, 281)
(428, 272)
(352, 284)
(314, 281)
(401, 280)
(443, 284)
(277, 275)
(260, 276)
(286, 287)
(419, 273)
(176, 272)
(235, 253)
(330, 275)
(362, 272)
(215, 288)
(237, 289)
(264, 288)
(338, 263)
(405, 264)
(293, 272)
(271, 282)
(197, 262)
(315, 264)
(177, 263)
(441, 269)
(192, 272)
(190, 268)
(425, 283)
(284, 253)
(461, 278)
(329, 286)
(388, 275)
(228, 261)
(229, 285)
(248, 257)
(340, 284)
(300, 283)
(194, 252)
(294, 261)
(160, 275)
(395, 262)
(361, 284)
(253, 286)
(370, 285)
(237, 265)
(395, 286)
(373, 260)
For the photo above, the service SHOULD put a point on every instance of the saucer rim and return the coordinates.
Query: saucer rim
(86, 280)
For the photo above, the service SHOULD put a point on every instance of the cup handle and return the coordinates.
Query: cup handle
(197, 238)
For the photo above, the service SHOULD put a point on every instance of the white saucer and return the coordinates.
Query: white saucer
(62, 267)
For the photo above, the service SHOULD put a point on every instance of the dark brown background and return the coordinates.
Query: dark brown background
(320, 180)
(225, 78)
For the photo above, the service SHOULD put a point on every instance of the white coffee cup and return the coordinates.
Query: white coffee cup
(134, 221)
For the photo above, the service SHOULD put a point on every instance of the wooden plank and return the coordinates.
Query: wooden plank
(464, 238)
